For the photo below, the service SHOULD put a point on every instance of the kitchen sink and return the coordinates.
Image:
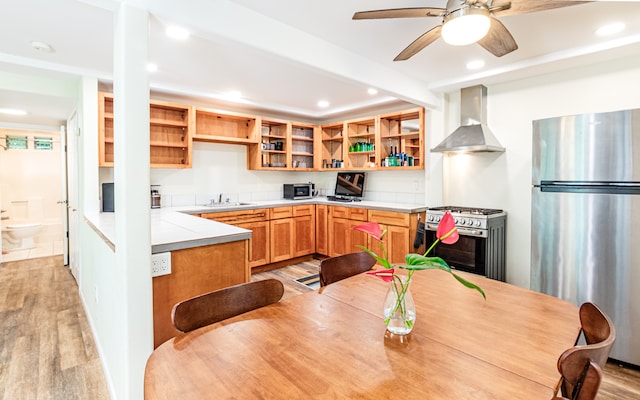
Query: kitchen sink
(229, 204)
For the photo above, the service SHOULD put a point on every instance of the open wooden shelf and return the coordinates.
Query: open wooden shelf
(170, 143)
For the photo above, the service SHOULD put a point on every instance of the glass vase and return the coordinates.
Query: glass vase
(399, 309)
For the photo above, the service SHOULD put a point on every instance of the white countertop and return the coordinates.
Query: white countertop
(372, 205)
(172, 228)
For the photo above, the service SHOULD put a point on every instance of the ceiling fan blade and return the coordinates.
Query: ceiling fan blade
(419, 44)
(417, 12)
(498, 40)
(529, 6)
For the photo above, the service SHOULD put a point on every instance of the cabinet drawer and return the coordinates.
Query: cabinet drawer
(339, 212)
(301, 210)
(358, 214)
(237, 217)
(389, 218)
(280, 212)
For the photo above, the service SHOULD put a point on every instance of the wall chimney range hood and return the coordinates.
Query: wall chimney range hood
(473, 134)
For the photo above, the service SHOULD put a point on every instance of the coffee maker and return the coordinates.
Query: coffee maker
(155, 196)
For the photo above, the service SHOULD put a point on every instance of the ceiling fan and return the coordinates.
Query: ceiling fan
(467, 21)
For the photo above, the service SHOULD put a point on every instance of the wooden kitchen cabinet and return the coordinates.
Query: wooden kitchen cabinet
(283, 145)
(196, 271)
(259, 249)
(331, 145)
(342, 238)
(302, 146)
(365, 142)
(403, 132)
(304, 232)
(225, 126)
(169, 133)
(292, 231)
(362, 136)
(281, 239)
(401, 230)
(322, 244)
(257, 222)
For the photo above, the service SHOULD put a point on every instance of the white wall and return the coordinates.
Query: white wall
(35, 177)
(222, 168)
(497, 180)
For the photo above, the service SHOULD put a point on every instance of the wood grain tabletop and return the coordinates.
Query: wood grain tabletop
(331, 344)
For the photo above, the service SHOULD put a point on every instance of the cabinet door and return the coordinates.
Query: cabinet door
(339, 236)
(281, 239)
(259, 244)
(396, 243)
(356, 238)
(304, 235)
(322, 246)
(398, 248)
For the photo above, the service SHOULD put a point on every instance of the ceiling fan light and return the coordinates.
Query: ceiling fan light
(466, 26)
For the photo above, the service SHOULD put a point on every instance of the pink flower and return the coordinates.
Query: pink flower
(384, 274)
(447, 232)
(371, 228)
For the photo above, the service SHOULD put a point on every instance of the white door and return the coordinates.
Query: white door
(63, 196)
(72, 194)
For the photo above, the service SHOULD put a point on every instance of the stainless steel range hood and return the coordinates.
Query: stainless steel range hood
(473, 134)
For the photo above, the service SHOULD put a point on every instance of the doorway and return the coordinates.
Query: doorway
(31, 176)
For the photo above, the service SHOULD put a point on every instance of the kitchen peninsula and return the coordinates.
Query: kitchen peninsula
(194, 242)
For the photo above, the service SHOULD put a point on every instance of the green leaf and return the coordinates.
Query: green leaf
(419, 262)
(385, 263)
(469, 285)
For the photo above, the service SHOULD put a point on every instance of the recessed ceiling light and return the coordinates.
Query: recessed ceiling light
(372, 91)
(152, 67)
(234, 94)
(12, 111)
(610, 29)
(42, 46)
(323, 104)
(475, 64)
(175, 32)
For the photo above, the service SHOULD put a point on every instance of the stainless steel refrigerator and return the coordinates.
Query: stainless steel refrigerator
(585, 217)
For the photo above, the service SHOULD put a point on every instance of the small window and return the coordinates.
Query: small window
(16, 142)
(43, 142)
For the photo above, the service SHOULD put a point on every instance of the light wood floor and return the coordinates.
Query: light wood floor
(48, 352)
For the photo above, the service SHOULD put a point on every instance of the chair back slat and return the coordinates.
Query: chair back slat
(600, 335)
(337, 268)
(225, 303)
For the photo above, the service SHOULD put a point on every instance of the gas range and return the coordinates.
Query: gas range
(465, 216)
(481, 245)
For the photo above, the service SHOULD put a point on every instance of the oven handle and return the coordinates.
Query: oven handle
(461, 231)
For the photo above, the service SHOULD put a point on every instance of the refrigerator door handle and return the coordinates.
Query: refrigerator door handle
(590, 187)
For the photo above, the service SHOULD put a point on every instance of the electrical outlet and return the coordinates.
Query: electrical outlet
(160, 264)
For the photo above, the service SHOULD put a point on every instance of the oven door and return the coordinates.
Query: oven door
(467, 254)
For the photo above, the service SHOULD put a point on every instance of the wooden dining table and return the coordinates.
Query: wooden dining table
(331, 344)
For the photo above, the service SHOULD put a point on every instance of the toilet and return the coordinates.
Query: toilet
(20, 236)
(20, 229)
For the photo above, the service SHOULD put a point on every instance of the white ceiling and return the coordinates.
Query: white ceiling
(285, 55)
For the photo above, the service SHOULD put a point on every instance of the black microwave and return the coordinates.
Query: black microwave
(296, 191)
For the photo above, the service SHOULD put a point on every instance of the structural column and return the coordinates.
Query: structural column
(132, 201)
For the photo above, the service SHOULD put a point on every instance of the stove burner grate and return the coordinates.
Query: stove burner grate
(466, 210)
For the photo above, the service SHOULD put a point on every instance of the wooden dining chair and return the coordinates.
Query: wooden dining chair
(336, 268)
(228, 302)
(585, 380)
(599, 334)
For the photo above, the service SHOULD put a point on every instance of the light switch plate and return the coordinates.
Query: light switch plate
(160, 264)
